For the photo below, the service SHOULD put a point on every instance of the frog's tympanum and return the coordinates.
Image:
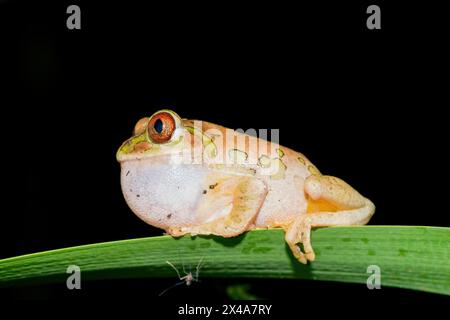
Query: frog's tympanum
(198, 178)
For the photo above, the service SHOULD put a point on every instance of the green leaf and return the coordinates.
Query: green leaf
(409, 257)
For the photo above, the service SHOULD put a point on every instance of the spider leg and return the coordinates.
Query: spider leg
(170, 264)
(182, 263)
(171, 287)
(199, 265)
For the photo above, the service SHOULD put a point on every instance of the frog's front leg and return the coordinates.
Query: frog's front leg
(228, 207)
(331, 202)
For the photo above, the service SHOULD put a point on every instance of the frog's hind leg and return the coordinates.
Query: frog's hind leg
(331, 202)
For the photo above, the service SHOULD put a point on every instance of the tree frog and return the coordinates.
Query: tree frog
(194, 177)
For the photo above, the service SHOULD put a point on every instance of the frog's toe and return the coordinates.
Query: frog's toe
(298, 254)
(305, 230)
(299, 232)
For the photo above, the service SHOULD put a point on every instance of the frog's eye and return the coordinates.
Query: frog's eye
(161, 127)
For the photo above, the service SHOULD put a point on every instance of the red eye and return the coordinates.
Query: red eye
(161, 127)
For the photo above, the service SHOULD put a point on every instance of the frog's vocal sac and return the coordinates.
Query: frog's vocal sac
(185, 177)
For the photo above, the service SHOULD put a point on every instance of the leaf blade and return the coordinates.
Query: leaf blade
(409, 257)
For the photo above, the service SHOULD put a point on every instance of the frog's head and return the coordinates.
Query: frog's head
(160, 181)
(160, 134)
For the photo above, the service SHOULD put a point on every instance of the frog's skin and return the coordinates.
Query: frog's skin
(267, 188)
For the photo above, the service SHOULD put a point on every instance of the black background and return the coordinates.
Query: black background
(364, 105)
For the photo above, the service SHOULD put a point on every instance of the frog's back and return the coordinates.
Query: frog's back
(282, 169)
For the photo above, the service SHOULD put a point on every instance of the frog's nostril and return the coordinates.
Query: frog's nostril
(158, 126)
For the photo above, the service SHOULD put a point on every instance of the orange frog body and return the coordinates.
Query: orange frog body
(194, 177)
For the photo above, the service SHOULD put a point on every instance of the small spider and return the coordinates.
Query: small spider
(188, 278)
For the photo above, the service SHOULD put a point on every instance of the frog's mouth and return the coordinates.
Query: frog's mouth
(161, 193)
(139, 147)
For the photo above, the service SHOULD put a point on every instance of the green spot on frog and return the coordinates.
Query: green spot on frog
(301, 160)
(365, 240)
(277, 163)
(280, 153)
(371, 253)
(264, 161)
(175, 142)
(313, 170)
(237, 156)
(346, 239)
(205, 245)
(208, 144)
(402, 252)
(128, 146)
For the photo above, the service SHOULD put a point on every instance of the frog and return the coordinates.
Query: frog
(192, 177)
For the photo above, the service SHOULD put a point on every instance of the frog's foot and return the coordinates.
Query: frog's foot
(331, 202)
(299, 232)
